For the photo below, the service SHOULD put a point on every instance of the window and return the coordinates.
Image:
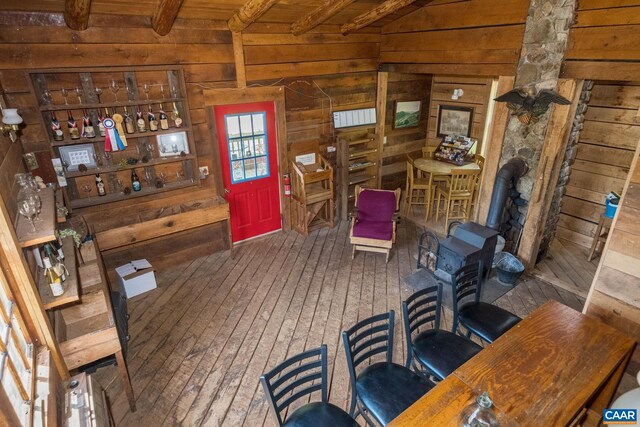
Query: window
(247, 144)
(16, 356)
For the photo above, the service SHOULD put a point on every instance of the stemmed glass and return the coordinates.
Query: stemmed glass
(120, 186)
(79, 93)
(98, 92)
(162, 90)
(107, 158)
(180, 174)
(65, 165)
(35, 201)
(147, 178)
(28, 210)
(115, 88)
(65, 93)
(87, 189)
(163, 178)
(174, 92)
(47, 96)
(146, 88)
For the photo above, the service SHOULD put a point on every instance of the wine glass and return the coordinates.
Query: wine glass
(98, 92)
(107, 158)
(79, 93)
(35, 201)
(65, 93)
(87, 189)
(28, 210)
(115, 88)
(180, 174)
(65, 165)
(174, 147)
(47, 96)
(162, 90)
(163, 178)
(147, 178)
(174, 92)
(120, 186)
(97, 159)
(146, 88)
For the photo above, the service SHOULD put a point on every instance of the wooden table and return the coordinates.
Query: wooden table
(437, 167)
(555, 367)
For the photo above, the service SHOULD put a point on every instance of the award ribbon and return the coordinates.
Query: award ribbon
(112, 141)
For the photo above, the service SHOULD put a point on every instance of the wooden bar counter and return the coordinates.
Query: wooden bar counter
(557, 367)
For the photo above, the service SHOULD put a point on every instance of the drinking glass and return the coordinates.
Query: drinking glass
(115, 88)
(27, 210)
(146, 88)
(163, 178)
(65, 93)
(147, 178)
(79, 93)
(35, 201)
(47, 96)
(98, 92)
(87, 189)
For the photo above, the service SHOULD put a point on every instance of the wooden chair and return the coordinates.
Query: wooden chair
(430, 350)
(298, 377)
(312, 196)
(457, 195)
(419, 191)
(479, 160)
(382, 390)
(427, 152)
(373, 224)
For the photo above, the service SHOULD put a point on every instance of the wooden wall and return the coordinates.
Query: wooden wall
(615, 294)
(604, 42)
(403, 87)
(475, 37)
(10, 164)
(477, 91)
(605, 150)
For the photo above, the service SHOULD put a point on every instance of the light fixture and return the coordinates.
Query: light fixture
(11, 121)
(457, 93)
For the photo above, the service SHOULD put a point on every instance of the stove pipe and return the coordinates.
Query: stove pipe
(513, 169)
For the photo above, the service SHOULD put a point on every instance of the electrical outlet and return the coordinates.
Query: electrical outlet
(331, 148)
(384, 140)
(204, 171)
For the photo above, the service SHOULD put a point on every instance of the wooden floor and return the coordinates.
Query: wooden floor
(201, 340)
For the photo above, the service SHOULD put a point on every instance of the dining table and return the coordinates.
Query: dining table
(440, 168)
(557, 367)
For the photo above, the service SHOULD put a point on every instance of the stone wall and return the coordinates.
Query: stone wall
(544, 46)
(565, 170)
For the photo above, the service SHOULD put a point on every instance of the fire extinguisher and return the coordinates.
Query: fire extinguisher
(287, 185)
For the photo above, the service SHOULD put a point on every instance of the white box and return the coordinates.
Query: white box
(136, 277)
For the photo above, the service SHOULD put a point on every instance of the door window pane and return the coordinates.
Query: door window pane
(247, 143)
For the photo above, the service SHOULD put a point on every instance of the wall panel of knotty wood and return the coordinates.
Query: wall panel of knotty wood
(473, 37)
(604, 42)
(607, 142)
(615, 293)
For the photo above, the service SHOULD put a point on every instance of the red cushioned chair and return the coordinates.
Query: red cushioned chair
(373, 225)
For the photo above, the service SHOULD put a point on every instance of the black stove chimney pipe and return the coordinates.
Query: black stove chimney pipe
(514, 168)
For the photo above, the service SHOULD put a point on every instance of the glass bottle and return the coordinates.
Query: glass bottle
(57, 266)
(56, 128)
(164, 119)
(140, 123)
(177, 120)
(101, 129)
(100, 186)
(151, 118)
(87, 126)
(135, 181)
(128, 122)
(479, 414)
(74, 132)
(52, 278)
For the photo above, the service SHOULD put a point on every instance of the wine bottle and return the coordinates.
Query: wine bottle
(177, 121)
(140, 123)
(151, 118)
(74, 132)
(135, 181)
(100, 186)
(106, 110)
(58, 267)
(164, 119)
(128, 122)
(52, 278)
(87, 126)
(56, 128)
(101, 130)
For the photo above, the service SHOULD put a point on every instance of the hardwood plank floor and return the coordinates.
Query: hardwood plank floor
(201, 340)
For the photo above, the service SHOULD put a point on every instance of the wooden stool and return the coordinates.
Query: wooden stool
(605, 222)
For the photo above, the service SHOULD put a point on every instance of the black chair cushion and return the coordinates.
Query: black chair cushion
(317, 414)
(486, 320)
(442, 352)
(387, 389)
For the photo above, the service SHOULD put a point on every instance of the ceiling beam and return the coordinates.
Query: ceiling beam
(249, 13)
(165, 16)
(375, 14)
(318, 16)
(76, 14)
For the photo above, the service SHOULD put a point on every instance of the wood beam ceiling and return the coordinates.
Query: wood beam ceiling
(318, 16)
(165, 16)
(249, 13)
(76, 14)
(375, 14)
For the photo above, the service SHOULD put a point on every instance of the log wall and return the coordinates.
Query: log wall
(604, 42)
(475, 37)
(605, 150)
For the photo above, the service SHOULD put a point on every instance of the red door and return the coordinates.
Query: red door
(249, 157)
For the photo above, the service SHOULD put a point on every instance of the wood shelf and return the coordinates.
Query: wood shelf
(71, 289)
(145, 191)
(107, 169)
(358, 179)
(362, 166)
(94, 106)
(135, 135)
(361, 141)
(362, 153)
(45, 226)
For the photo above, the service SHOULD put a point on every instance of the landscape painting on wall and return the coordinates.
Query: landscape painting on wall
(406, 114)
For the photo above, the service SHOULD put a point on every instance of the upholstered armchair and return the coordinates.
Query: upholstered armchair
(373, 222)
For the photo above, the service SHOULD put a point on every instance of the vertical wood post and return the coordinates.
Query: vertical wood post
(238, 56)
(381, 114)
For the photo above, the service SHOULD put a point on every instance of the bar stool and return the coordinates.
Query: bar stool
(605, 223)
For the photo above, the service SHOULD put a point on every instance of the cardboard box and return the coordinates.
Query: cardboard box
(136, 277)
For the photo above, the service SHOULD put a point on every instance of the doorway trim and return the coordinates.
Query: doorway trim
(216, 97)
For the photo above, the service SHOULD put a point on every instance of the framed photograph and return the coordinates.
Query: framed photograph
(72, 156)
(173, 144)
(406, 114)
(454, 120)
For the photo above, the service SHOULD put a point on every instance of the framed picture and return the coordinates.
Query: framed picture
(72, 156)
(454, 120)
(173, 144)
(406, 114)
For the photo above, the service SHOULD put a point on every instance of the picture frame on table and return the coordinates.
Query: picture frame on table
(406, 114)
(172, 144)
(72, 156)
(454, 120)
